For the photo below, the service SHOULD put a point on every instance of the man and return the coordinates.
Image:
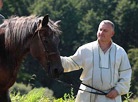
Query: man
(106, 69)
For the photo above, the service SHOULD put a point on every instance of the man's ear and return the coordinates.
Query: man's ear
(113, 33)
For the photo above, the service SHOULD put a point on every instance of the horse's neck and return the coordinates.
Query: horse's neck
(20, 50)
(11, 59)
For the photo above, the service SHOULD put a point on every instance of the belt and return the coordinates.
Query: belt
(94, 90)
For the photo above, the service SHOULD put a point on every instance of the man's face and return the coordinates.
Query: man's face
(105, 32)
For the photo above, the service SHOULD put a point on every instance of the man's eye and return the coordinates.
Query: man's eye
(105, 30)
(101, 29)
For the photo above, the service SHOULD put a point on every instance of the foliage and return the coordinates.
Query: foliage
(133, 56)
(36, 94)
(21, 88)
(14, 7)
(16, 97)
(125, 18)
(40, 95)
(45, 95)
(128, 96)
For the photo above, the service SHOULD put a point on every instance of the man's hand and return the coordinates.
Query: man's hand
(112, 94)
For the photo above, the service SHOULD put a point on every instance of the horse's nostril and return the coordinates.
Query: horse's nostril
(57, 71)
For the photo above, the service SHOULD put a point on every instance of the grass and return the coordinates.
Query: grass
(40, 95)
(46, 95)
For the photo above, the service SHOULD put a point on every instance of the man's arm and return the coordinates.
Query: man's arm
(123, 85)
(125, 73)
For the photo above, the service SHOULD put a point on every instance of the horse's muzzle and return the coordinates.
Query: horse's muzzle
(57, 72)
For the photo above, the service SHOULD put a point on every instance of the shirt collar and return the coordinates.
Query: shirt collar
(109, 47)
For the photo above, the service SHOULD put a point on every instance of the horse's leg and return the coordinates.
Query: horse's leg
(4, 97)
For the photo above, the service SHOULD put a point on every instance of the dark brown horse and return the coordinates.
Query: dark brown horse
(21, 35)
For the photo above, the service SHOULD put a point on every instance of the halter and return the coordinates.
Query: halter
(45, 47)
(37, 32)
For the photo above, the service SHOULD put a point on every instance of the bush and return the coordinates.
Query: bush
(21, 88)
(133, 57)
(40, 95)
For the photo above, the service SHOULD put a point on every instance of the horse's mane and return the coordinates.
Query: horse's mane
(19, 28)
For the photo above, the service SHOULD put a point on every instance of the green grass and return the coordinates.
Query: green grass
(46, 95)
(40, 95)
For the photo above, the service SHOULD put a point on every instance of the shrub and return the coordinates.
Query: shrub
(41, 95)
(21, 88)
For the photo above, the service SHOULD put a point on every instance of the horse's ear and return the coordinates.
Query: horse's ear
(57, 22)
(45, 21)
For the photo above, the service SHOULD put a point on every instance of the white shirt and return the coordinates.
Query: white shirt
(104, 58)
(100, 71)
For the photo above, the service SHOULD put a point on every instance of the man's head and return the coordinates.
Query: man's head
(105, 31)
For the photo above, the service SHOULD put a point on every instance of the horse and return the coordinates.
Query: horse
(19, 36)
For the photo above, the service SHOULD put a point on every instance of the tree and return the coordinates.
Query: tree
(125, 17)
(133, 57)
(16, 8)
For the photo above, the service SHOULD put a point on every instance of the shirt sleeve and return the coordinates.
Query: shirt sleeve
(73, 62)
(125, 72)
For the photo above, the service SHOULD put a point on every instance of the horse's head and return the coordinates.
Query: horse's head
(44, 46)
